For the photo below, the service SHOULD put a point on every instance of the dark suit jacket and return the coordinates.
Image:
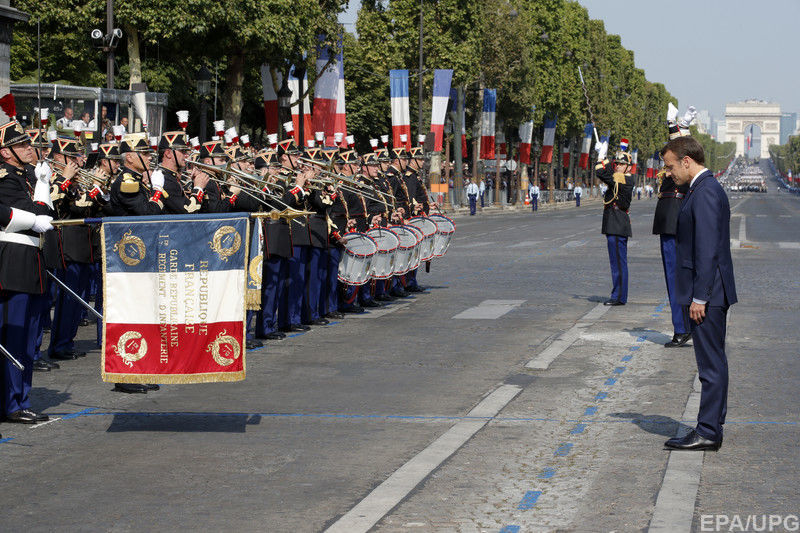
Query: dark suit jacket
(704, 245)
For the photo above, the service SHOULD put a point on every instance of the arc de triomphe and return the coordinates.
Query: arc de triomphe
(739, 116)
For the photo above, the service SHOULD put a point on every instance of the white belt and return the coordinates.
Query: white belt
(19, 238)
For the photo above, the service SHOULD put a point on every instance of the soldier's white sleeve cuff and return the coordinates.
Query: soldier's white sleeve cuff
(701, 302)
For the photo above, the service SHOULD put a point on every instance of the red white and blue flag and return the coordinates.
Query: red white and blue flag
(650, 173)
(270, 100)
(174, 298)
(294, 85)
(329, 111)
(458, 107)
(635, 160)
(586, 146)
(565, 150)
(487, 123)
(548, 140)
(401, 121)
(623, 145)
(441, 95)
(500, 140)
(525, 138)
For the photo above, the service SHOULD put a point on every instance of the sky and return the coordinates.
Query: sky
(706, 52)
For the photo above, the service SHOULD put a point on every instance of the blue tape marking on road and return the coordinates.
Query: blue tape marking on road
(619, 370)
(529, 500)
(627, 358)
(510, 529)
(6, 439)
(590, 411)
(297, 334)
(563, 450)
(634, 348)
(79, 413)
(579, 428)
(641, 339)
(547, 473)
(601, 395)
(610, 381)
(334, 323)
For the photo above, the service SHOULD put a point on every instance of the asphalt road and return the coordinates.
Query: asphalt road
(419, 421)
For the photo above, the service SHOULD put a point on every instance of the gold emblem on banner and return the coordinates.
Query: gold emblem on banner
(122, 347)
(216, 349)
(226, 242)
(122, 249)
(254, 270)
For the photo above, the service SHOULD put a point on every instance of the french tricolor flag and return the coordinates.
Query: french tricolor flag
(586, 146)
(294, 85)
(565, 154)
(635, 160)
(501, 144)
(401, 122)
(340, 124)
(650, 173)
(487, 124)
(441, 95)
(329, 114)
(525, 136)
(270, 100)
(458, 107)
(549, 140)
(623, 145)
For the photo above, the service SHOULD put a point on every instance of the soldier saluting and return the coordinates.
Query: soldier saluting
(616, 222)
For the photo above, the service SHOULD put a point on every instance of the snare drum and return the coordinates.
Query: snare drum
(428, 229)
(356, 262)
(445, 228)
(416, 256)
(407, 245)
(383, 261)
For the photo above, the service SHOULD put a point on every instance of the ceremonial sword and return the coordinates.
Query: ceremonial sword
(72, 293)
(11, 358)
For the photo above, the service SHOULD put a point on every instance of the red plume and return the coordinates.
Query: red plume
(8, 106)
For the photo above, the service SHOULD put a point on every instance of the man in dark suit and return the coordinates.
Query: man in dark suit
(705, 283)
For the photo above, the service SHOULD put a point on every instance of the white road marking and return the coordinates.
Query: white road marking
(565, 340)
(575, 244)
(742, 229)
(761, 216)
(388, 494)
(674, 509)
(378, 312)
(786, 216)
(789, 245)
(523, 244)
(490, 309)
(42, 424)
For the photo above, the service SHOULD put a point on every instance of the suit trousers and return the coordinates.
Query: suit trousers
(618, 258)
(669, 259)
(68, 311)
(534, 202)
(19, 323)
(296, 293)
(317, 269)
(708, 338)
(473, 198)
(577, 200)
(273, 291)
(330, 304)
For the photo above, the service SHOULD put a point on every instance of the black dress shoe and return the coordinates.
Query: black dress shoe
(415, 289)
(275, 336)
(385, 298)
(51, 364)
(678, 340)
(693, 441)
(26, 416)
(40, 365)
(336, 315)
(130, 388)
(321, 322)
(64, 356)
(299, 327)
(400, 293)
(152, 386)
(613, 302)
(371, 303)
(85, 322)
(252, 344)
(356, 309)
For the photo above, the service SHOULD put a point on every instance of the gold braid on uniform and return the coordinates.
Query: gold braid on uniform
(619, 177)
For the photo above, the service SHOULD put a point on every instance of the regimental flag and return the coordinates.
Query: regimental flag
(586, 146)
(548, 140)
(174, 298)
(525, 136)
(270, 100)
(487, 123)
(650, 173)
(329, 111)
(401, 122)
(565, 154)
(441, 94)
(635, 160)
(294, 85)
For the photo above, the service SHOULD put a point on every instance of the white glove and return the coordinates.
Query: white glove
(672, 113)
(42, 224)
(602, 150)
(688, 117)
(41, 193)
(43, 172)
(157, 179)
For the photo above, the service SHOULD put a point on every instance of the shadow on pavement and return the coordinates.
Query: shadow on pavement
(43, 398)
(657, 424)
(183, 422)
(651, 335)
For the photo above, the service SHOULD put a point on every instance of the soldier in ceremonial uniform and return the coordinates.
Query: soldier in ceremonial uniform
(319, 200)
(616, 221)
(173, 148)
(21, 269)
(418, 202)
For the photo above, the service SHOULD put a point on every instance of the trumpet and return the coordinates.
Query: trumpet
(252, 179)
(84, 178)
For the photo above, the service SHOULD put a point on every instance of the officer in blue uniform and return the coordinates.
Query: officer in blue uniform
(21, 270)
(616, 222)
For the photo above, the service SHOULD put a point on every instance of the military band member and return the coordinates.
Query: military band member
(132, 192)
(174, 149)
(616, 221)
(21, 270)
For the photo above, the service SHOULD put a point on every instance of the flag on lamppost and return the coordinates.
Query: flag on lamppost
(565, 154)
(401, 122)
(270, 100)
(548, 140)
(487, 123)
(586, 146)
(294, 85)
(526, 136)
(635, 160)
(441, 95)
(329, 112)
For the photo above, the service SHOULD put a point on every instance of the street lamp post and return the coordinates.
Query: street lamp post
(203, 88)
(284, 103)
(107, 42)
